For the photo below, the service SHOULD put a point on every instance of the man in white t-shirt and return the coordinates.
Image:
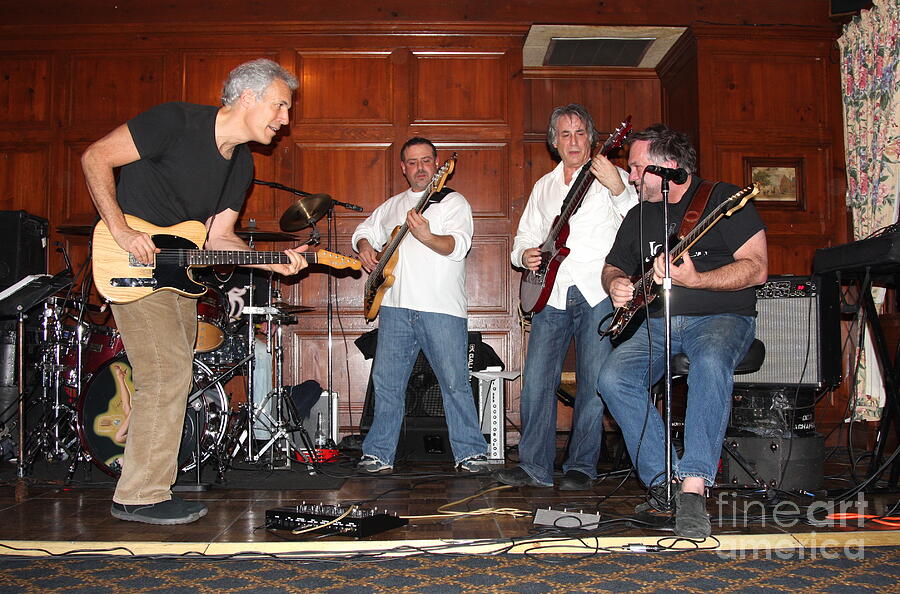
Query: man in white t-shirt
(425, 309)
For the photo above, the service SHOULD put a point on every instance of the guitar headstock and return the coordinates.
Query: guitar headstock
(617, 138)
(740, 198)
(335, 260)
(440, 176)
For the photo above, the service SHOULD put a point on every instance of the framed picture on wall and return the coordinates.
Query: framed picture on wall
(780, 179)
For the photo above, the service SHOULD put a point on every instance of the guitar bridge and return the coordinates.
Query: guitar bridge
(132, 282)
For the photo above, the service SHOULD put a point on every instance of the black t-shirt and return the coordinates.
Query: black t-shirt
(181, 175)
(714, 250)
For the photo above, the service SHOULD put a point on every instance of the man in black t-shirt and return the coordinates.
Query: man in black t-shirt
(177, 162)
(713, 305)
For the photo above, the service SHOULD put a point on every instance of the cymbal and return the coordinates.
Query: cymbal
(80, 230)
(289, 308)
(305, 212)
(260, 235)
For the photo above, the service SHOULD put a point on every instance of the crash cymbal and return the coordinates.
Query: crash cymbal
(305, 212)
(289, 308)
(79, 230)
(260, 235)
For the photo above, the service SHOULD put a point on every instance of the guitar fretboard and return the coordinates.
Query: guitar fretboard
(189, 257)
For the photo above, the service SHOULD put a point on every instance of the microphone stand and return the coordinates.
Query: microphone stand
(329, 312)
(667, 333)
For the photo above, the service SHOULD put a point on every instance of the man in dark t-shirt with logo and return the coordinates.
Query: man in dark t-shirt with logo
(713, 305)
(177, 162)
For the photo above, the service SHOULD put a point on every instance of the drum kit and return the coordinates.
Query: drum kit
(79, 382)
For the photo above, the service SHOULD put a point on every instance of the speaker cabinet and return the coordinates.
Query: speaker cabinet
(788, 464)
(798, 322)
(424, 433)
(23, 250)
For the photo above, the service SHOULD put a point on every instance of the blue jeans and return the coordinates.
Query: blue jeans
(551, 331)
(715, 345)
(444, 340)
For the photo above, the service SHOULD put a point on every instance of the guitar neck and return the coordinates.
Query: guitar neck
(238, 257)
(685, 243)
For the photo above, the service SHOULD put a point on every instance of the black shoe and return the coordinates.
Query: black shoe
(166, 513)
(516, 477)
(576, 480)
(691, 519)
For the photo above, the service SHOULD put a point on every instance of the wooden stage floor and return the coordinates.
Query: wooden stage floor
(48, 516)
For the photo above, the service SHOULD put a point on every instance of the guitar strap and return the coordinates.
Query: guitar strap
(696, 207)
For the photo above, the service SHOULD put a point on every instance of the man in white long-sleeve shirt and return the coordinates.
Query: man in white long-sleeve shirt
(576, 304)
(425, 308)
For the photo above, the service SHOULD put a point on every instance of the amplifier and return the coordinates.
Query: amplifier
(798, 321)
(788, 464)
(772, 413)
(332, 519)
(23, 250)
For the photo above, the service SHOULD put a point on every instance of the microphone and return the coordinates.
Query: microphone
(676, 176)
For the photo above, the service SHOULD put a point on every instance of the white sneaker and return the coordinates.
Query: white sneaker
(373, 465)
(477, 463)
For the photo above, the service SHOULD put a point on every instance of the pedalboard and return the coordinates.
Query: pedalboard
(320, 518)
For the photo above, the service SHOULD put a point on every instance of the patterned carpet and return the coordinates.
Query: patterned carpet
(869, 570)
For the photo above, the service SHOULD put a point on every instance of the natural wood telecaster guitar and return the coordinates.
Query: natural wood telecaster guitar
(120, 278)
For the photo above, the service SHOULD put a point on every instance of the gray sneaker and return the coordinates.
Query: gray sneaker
(372, 465)
(165, 513)
(474, 464)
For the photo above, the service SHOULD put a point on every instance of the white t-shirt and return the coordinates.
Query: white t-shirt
(425, 280)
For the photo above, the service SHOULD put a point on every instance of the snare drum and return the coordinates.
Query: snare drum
(212, 317)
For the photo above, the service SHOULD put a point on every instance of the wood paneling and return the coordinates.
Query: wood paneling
(459, 87)
(24, 89)
(345, 87)
(109, 89)
(24, 171)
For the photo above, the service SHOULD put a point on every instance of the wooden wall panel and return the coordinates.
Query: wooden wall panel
(357, 173)
(109, 89)
(77, 208)
(750, 91)
(345, 87)
(24, 175)
(480, 175)
(25, 89)
(489, 259)
(459, 87)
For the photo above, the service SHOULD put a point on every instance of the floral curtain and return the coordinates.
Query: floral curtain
(870, 52)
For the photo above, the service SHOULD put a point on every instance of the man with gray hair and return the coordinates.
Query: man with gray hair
(177, 162)
(575, 306)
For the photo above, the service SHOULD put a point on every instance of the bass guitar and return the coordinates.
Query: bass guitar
(382, 278)
(645, 289)
(536, 285)
(120, 278)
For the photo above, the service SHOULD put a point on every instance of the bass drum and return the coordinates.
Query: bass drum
(105, 404)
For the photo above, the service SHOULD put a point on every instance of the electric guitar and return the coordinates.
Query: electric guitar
(382, 278)
(120, 278)
(645, 289)
(536, 285)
